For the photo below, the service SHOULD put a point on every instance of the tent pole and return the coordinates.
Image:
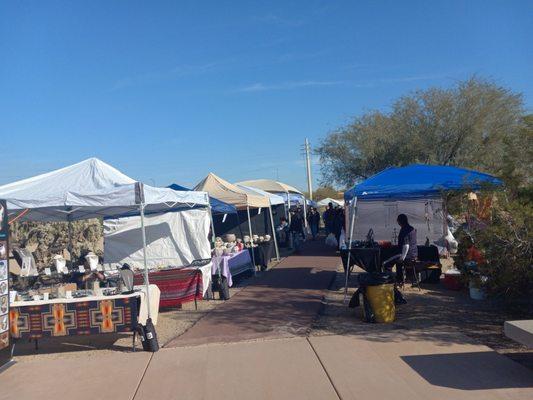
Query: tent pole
(251, 237)
(274, 233)
(213, 234)
(305, 214)
(347, 272)
(288, 210)
(146, 281)
(69, 248)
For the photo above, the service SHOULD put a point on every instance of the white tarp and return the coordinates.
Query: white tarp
(425, 215)
(172, 239)
(90, 189)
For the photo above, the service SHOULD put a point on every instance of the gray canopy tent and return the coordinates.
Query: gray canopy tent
(92, 189)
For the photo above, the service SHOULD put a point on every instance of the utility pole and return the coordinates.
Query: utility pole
(308, 162)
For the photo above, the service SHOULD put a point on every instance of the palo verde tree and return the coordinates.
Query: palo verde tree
(476, 123)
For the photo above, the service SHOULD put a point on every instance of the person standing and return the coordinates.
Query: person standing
(296, 229)
(328, 218)
(408, 245)
(313, 219)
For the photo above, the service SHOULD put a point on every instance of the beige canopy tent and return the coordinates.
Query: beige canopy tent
(238, 197)
(272, 186)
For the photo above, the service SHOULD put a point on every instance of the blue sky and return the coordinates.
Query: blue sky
(168, 91)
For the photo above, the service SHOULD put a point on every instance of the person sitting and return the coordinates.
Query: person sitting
(84, 280)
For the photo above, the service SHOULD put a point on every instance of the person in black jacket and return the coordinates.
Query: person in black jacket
(313, 219)
(297, 228)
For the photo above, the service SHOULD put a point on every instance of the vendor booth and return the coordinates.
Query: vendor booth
(177, 248)
(414, 190)
(91, 189)
(248, 204)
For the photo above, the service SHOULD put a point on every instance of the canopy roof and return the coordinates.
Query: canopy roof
(419, 180)
(274, 198)
(327, 200)
(217, 206)
(230, 193)
(90, 189)
(269, 185)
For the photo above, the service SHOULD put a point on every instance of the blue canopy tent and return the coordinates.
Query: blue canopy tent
(415, 190)
(419, 180)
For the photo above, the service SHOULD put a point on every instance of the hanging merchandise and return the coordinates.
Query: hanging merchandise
(5, 350)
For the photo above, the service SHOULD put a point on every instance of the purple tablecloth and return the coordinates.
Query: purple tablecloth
(232, 265)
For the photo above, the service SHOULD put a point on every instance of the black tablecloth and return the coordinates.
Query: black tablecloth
(263, 253)
(368, 258)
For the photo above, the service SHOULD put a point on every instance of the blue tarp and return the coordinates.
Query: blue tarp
(419, 180)
(217, 206)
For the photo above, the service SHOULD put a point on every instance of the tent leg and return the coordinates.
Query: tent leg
(288, 210)
(274, 233)
(146, 281)
(213, 234)
(347, 272)
(251, 238)
(305, 215)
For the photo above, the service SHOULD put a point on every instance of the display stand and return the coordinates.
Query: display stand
(5, 350)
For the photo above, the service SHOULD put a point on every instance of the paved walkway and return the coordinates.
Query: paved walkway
(282, 302)
(280, 307)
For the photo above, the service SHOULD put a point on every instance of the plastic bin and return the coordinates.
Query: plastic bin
(378, 296)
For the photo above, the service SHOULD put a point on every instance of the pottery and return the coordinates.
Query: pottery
(230, 237)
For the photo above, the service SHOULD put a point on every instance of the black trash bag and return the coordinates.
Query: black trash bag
(148, 336)
(354, 301)
(398, 297)
(369, 315)
(223, 291)
(220, 284)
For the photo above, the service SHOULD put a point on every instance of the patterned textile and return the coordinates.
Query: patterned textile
(177, 285)
(74, 318)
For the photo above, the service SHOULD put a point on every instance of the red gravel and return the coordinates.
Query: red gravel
(282, 302)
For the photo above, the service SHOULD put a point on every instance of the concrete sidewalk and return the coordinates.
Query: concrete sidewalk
(282, 302)
(321, 368)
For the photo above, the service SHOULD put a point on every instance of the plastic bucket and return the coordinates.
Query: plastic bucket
(381, 299)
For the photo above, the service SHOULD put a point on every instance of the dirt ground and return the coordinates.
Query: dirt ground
(434, 311)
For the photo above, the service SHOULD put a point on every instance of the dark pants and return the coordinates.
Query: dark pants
(314, 230)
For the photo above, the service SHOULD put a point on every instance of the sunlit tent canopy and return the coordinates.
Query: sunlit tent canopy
(89, 189)
(217, 206)
(326, 201)
(290, 194)
(271, 186)
(419, 180)
(274, 198)
(230, 193)
(92, 189)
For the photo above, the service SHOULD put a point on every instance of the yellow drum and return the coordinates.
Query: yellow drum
(381, 299)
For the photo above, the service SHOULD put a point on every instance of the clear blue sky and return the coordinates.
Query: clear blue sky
(167, 91)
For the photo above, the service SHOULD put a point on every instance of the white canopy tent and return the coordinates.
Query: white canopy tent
(232, 194)
(92, 189)
(327, 200)
(272, 186)
(274, 200)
